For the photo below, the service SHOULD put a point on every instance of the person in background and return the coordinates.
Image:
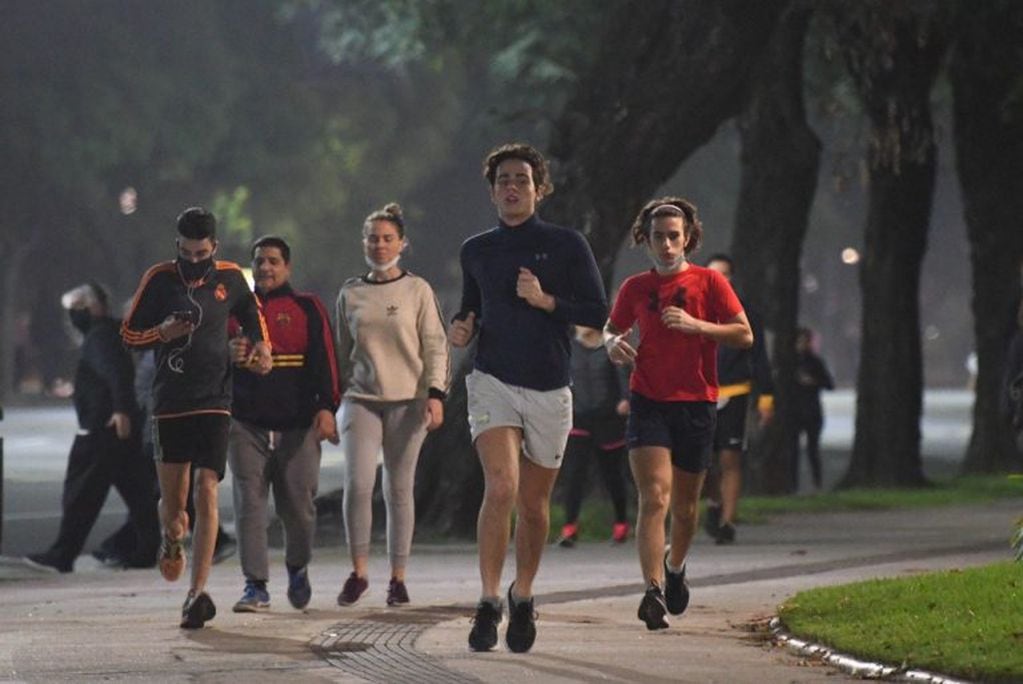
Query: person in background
(277, 423)
(812, 376)
(744, 380)
(683, 313)
(182, 309)
(395, 373)
(119, 550)
(600, 402)
(107, 449)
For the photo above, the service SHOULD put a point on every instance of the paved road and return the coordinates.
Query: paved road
(121, 626)
(36, 442)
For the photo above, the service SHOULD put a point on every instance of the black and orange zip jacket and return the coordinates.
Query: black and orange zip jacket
(193, 373)
(304, 379)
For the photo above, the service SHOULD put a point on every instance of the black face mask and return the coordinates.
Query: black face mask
(194, 270)
(81, 319)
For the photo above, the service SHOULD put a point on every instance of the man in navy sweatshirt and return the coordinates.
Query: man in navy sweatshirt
(525, 283)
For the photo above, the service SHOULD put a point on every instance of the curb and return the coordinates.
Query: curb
(851, 665)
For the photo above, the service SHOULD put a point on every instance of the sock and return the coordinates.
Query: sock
(516, 599)
(494, 601)
(675, 570)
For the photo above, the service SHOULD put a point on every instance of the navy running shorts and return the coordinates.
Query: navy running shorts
(685, 428)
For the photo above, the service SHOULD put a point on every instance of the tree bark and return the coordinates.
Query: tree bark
(987, 60)
(893, 54)
(670, 72)
(780, 161)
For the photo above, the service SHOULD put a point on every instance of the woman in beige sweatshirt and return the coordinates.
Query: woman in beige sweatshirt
(392, 348)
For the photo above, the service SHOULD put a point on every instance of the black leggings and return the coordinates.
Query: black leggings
(812, 427)
(581, 451)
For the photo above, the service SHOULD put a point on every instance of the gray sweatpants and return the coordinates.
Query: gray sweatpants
(288, 461)
(399, 428)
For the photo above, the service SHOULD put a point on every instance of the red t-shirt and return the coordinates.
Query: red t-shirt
(672, 365)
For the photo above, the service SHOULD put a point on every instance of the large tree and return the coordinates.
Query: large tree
(780, 160)
(893, 52)
(987, 80)
(668, 74)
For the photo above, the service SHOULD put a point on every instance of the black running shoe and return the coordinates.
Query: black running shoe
(521, 624)
(676, 589)
(652, 608)
(198, 609)
(726, 534)
(483, 636)
(712, 520)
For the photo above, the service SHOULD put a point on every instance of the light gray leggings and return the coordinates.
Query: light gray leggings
(399, 427)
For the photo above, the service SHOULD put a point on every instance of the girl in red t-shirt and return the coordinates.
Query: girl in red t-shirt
(683, 312)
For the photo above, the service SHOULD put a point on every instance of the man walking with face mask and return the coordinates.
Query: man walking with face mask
(107, 449)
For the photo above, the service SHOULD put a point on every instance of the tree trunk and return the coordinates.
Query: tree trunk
(780, 160)
(670, 72)
(893, 56)
(987, 61)
(13, 260)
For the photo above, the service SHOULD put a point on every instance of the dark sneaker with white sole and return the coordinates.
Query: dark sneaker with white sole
(521, 624)
(483, 635)
(197, 611)
(652, 609)
(397, 593)
(255, 598)
(676, 589)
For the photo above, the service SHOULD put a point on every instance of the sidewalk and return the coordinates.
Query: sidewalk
(98, 624)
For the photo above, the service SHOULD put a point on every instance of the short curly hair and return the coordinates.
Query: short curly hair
(528, 154)
(669, 206)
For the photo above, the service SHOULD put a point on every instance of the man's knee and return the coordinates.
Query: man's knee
(500, 490)
(654, 498)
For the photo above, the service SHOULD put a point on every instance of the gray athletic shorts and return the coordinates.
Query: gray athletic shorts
(545, 418)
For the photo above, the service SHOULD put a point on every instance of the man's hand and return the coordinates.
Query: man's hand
(461, 331)
(528, 287)
(619, 351)
(261, 359)
(622, 407)
(676, 318)
(241, 350)
(121, 422)
(326, 426)
(172, 328)
(434, 414)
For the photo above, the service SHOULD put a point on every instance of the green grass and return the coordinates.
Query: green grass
(960, 490)
(596, 515)
(965, 623)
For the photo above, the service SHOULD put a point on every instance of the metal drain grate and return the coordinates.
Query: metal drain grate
(381, 648)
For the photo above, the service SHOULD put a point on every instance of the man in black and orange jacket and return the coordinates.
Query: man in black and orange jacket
(181, 309)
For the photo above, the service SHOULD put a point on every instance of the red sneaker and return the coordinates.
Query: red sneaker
(569, 534)
(620, 532)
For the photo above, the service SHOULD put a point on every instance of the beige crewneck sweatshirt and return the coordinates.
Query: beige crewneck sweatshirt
(392, 344)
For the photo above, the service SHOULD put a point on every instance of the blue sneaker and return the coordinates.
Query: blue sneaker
(255, 598)
(299, 591)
